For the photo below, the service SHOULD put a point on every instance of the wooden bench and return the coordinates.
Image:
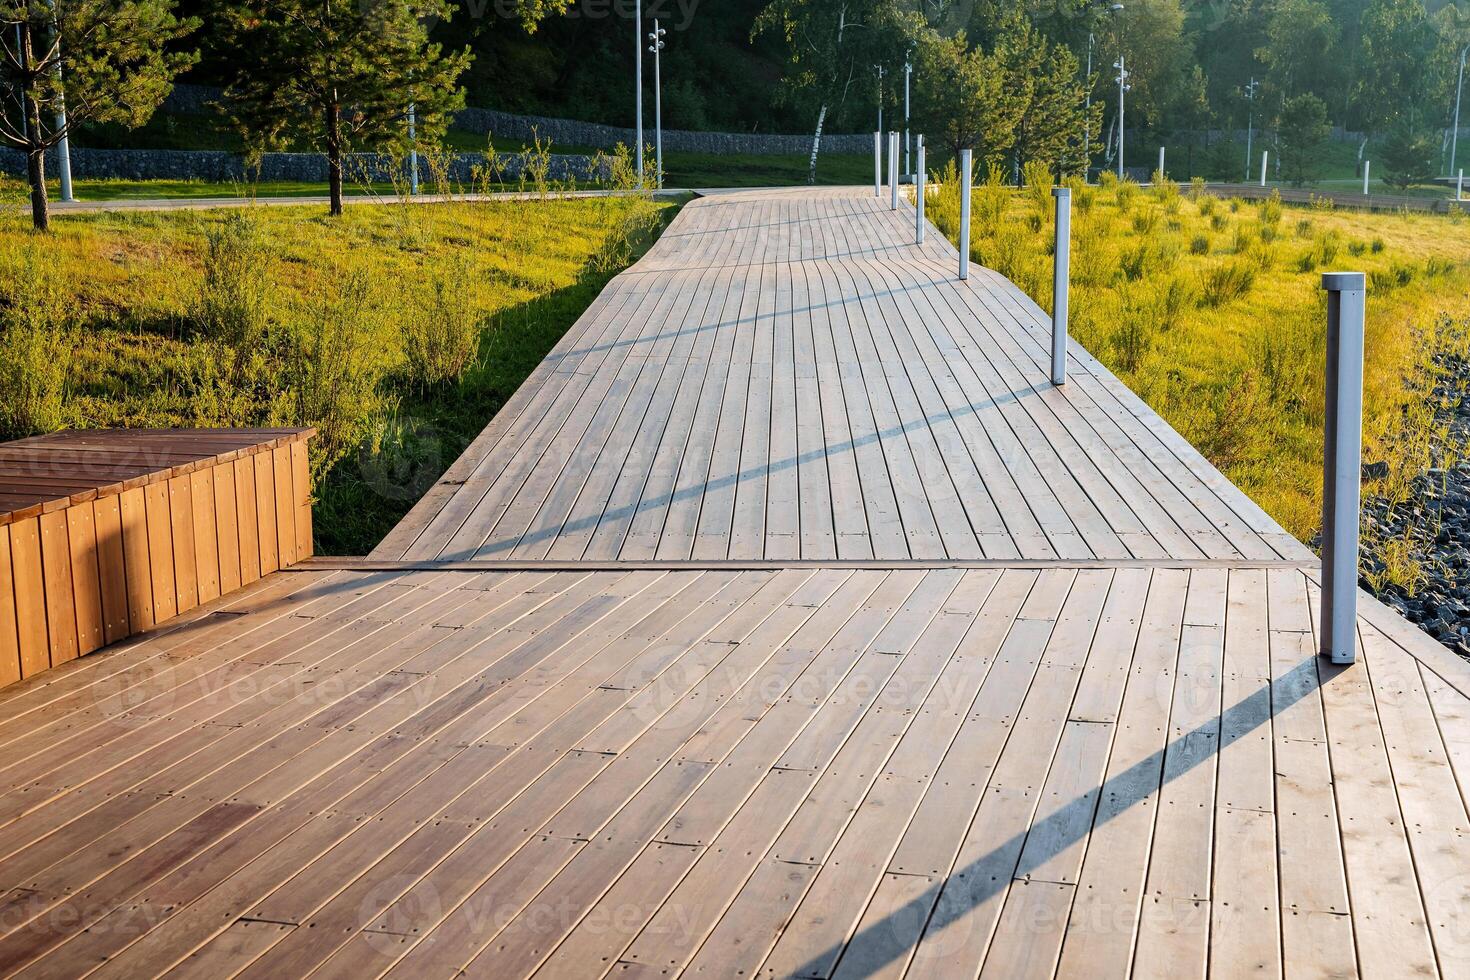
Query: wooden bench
(108, 533)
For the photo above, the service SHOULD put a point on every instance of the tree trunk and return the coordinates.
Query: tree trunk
(36, 150)
(36, 175)
(334, 159)
(811, 174)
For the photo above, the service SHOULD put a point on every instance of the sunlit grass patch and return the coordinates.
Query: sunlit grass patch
(1212, 311)
(397, 330)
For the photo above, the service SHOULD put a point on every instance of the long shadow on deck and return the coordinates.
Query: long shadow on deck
(551, 532)
(898, 934)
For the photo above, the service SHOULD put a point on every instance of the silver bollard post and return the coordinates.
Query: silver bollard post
(1460, 187)
(877, 164)
(965, 214)
(919, 179)
(1264, 155)
(1367, 168)
(1060, 280)
(1161, 163)
(1342, 469)
(893, 171)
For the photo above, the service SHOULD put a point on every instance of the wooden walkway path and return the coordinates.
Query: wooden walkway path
(786, 624)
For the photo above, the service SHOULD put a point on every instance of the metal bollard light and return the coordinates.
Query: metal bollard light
(1460, 187)
(965, 214)
(1367, 168)
(1264, 155)
(1061, 279)
(1342, 464)
(1161, 163)
(893, 171)
(919, 179)
(877, 164)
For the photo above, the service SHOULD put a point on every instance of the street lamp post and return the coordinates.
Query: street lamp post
(1122, 94)
(1087, 116)
(1121, 65)
(638, 83)
(657, 46)
(63, 145)
(413, 154)
(880, 97)
(908, 73)
(1459, 88)
(1250, 121)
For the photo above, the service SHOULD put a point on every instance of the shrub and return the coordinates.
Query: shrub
(233, 299)
(1166, 191)
(1199, 245)
(1197, 188)
(1206, 205)
(1146, 222)
(337, 364)
(1036, 176)
(442, 336)
(1270, 209)
(1396, 276)
(1226, 282)
(1357, 247)
(37, 346)
(1126, 193)
(1218, 222)
(1376, 246)
(1303, 228)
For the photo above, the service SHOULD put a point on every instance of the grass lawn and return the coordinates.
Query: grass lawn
(687, 170)
(1336, 168)
(399, 331)
(1212, 311)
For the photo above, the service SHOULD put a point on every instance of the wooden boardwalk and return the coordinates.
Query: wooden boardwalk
(787, 623)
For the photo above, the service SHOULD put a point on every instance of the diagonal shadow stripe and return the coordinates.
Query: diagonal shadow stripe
(947, 902)
(733, 479)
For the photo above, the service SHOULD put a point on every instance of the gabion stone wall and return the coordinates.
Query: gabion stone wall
(571, 132)
(220, 166)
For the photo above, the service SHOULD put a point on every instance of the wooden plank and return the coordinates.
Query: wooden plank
(61, 616)
(186, 555)
(265, 512)
(285, 499)
(10, 664)
(161, 567)
(82, 541)
(137, 560)
(206, 534)
(227, 528)
(30, 596)
(301, 488)
(247, 521)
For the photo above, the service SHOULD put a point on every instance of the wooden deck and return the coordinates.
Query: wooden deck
(786, 624)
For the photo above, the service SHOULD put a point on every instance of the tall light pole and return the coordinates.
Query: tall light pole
(1122, 94)
(1459, 88)
(1087, 117)
(63, 145)
(1250, 121)
(1121, 65)
(880, 97)
(413, 154)
(657, 46)
(638, 83)
(908, 72)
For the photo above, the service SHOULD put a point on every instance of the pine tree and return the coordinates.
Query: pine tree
(98, 60)
(339, 75)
